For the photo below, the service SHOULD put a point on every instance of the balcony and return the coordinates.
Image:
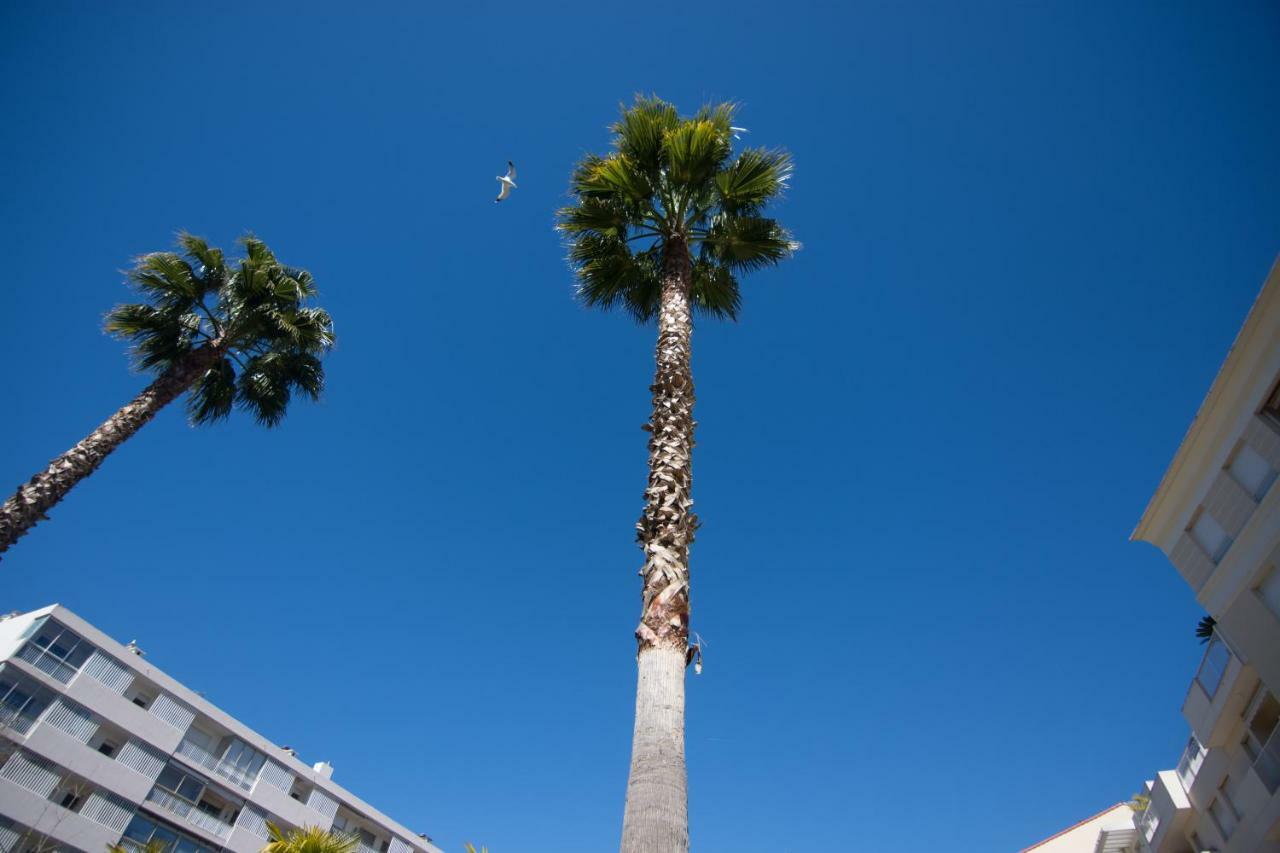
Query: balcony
(241, 777)
(192, 815)
(1166, 815)
(1218, 693)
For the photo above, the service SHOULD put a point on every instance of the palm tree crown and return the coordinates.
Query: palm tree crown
(673, 182)
(266, 341)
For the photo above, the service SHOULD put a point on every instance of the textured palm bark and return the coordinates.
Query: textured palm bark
(32, 501)
(656, 819)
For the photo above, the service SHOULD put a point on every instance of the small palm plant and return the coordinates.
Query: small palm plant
(1205, 628)
(663, 227)
(309, 839)
(232, 334)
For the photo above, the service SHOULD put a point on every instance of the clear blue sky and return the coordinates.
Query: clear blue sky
(1031, 232)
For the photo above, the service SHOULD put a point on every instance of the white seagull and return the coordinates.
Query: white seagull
(508, 182)
(738, 131)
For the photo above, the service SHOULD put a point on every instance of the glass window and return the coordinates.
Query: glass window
(1210, 536)
(1252, 472)
(176, 781)
(140, 831)
(21, 701)
(56, 650)
(1214, 666)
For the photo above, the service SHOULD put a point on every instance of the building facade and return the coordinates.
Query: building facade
(99, 747)
(1216, 516)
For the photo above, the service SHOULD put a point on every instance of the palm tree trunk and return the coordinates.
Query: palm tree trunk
(656, 819)
(37, 496)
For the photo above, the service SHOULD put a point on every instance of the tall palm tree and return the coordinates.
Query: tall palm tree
(309, 839)
(662, 227)
(236, 334)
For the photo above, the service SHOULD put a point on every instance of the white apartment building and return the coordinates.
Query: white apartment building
(99, 747)
(1216, 515)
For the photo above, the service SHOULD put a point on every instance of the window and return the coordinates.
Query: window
(1251, 471)
(56, 650)
(1268, 589)
(1210, 536)
(21, 701)
(1189, 764)
(142, 830)
(1223, 810)
(107, 748)
(1213, 667)
(181, 783)
(241, 763)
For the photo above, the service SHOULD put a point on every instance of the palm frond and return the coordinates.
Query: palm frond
(715, 291)
(694, 151)
(213, 394)
(756, 177)
(610, 275)
(595, 216)
(166, 279)
(160, 337)
(748, 243)
(617, 176)
(641, 131)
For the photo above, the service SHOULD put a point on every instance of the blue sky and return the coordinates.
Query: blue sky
(1031, 232)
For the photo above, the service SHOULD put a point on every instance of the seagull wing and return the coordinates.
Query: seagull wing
(511, 171)
(504, 192)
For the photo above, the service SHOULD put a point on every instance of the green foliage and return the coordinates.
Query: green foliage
(309, 839)
(1205, 628)
(471, 848)
(254, 312)
(673, 182)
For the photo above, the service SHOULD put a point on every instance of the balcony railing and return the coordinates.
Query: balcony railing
(1267, 762)
(189, 813)
(237, 776)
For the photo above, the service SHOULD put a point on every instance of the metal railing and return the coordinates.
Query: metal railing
(237, 776)
(192, 815)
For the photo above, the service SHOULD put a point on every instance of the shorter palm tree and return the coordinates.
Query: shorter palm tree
(232, 334)
(309, 839)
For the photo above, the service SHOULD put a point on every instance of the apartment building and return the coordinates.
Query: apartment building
(98, 747)
(1216, 516)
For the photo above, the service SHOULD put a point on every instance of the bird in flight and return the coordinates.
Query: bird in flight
(508, 182)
